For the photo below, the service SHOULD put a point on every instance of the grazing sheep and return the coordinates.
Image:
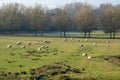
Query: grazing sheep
(89, 57)
(84, 54)
(81, 45)
(46, 47)
(39, 49)
(78, 40)
(36, 42)
(19, 42)
(28, 43)
(9, 46)
(107, 41)
(86, 39)
(43, 46)
(71, 38)
(47, 42)
(94, 44)
(23, 46)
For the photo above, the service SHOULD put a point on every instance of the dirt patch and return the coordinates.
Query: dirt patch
(51, 70)
(114, 59)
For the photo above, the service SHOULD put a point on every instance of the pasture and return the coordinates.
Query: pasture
(63, 52)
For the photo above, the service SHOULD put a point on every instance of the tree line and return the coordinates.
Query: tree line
(76, 16)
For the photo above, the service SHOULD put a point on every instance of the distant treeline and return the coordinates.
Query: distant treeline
(76, 16)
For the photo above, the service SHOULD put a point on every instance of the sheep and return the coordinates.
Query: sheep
(71, 38)
(89, 57)
(39, 49)
(107, 41)
(78, 40)
(46, 47)
(23, 46)
(94, 44)
(19, 42)
(86, 39)
(43, 46)
(9, 46)
(28, 43)
(36, 42)
(81, 45)
(47, 42)
(84, 54)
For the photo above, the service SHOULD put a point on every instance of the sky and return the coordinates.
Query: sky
(57, 3)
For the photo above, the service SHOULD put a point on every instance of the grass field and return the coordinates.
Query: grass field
(102, 66)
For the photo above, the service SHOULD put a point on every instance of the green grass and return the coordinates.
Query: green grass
(66, 51)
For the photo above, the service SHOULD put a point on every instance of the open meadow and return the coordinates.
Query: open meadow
(45, 58)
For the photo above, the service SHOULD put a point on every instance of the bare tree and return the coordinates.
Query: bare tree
(39, 19)
(110, 20)
(86, 19)
(63, 21)
(11, 17)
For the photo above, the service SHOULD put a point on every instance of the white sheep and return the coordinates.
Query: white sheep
(89, 57)
(71, 38)
(46, 47)
(84, 54)
(107, 41)
(19, 42)
(36, 42)
(86, 39)
(94, 44)
(28, 43)
(9, 46)
(42, 46)
(23, 46)
(39, 49)
(81, 45)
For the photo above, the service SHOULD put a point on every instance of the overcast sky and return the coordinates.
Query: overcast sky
(56, 3)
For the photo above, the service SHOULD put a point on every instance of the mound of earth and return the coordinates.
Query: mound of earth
(114, 59)
(41, 73)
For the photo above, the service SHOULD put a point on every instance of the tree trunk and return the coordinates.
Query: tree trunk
(114, 35)
(60, 34)
(85, 35)
(110, 35)
(42, 33)
(64, 34)
(89, 34)
(35, 32)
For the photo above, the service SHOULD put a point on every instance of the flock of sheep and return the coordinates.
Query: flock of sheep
(47, 47)
(81, 45)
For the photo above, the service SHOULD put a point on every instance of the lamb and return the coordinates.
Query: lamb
(19, 42)
(9, 46)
